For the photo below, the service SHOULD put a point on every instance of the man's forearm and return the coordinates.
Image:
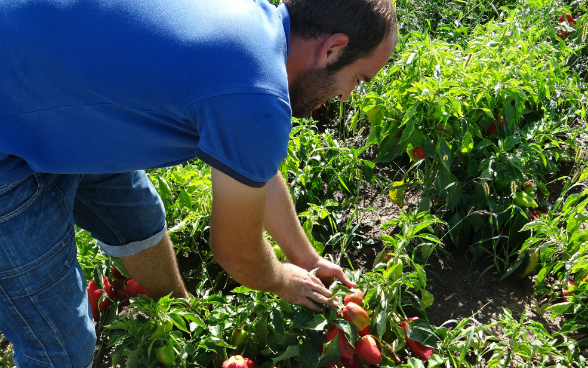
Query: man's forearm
(282, 223)
(236, 234)
(256, 267)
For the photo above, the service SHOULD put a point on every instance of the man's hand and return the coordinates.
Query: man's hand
(301, 287)
(327, 271)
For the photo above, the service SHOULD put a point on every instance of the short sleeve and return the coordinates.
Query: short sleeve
(243, 135)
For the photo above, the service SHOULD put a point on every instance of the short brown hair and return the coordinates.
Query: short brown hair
(366, 22)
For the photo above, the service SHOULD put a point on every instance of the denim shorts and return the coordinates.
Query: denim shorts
(44, 308)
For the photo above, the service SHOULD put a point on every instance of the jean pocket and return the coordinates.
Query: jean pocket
(18, 196)
(36, 275)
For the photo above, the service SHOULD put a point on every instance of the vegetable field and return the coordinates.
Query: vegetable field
(452, 188)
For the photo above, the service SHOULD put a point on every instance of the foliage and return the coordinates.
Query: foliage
(488, 115)
(186, 192)
(563, 244)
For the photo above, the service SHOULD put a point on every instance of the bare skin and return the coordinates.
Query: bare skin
(238, 216)
(282, 223)
(156, 270)
(309, 81)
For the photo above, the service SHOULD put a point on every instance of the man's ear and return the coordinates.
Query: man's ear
(332, 48)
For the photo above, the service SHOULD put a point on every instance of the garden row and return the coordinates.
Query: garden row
(478, 114)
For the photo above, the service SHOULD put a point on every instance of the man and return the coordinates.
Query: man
(93, 90)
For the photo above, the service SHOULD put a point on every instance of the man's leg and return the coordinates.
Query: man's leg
(156, 269)
(44, 309)
(125, 214)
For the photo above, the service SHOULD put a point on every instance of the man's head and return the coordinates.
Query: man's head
(334, 44)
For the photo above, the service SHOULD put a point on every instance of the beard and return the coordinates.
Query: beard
(310, 90)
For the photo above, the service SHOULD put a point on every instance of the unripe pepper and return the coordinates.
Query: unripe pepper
(356, 314)
(162, 330)
(397, 266)
(239, 338)
(237, 361)
(533, 261)
(367, 349)
(166, 354)
(356, 297)
(524, 200)
(421, 350)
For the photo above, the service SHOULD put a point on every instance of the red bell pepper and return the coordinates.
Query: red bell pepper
(356, 314)
(94, 295)
(421, 350)
(237, 361)
(134, 289)
(356, 297)
(367, 349)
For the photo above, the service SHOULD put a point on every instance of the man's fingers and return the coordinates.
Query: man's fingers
(317, 281)
(309, 304)
(343, 278)
(317, 297)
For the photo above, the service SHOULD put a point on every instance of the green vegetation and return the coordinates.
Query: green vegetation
(481, 116)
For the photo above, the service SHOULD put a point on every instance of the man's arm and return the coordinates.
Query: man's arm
(282, 223)
(238, 245)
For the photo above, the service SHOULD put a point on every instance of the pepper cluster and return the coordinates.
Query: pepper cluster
(120, 289)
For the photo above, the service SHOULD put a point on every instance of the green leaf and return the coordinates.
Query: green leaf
(426, 298)
(278, 321)
(261, 331)
(117, 262)
(185, 200)
(133, 358)
(422, 275)
(370, 294)
(317, 324)
(178, 321)
(415, 363)
(309, 355)
(331, 354)
(541, 275)
(163, 186)
(381, 321)
(285, 306)
(302, 316)
(445, 154)
(510, 142)
(435, 360)
(291, 351)
(421, 331)
(560, 308)
(467, 143)
(349, 329)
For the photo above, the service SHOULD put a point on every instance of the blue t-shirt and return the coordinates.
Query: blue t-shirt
(97, 86)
